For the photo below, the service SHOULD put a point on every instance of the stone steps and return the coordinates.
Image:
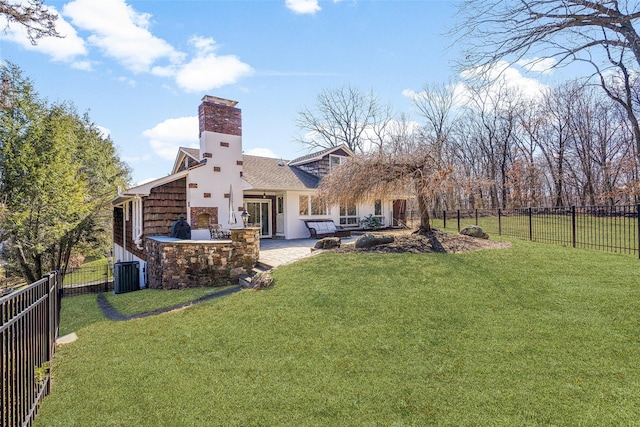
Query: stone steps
(246, 280)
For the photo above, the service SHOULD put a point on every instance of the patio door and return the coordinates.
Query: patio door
(259, 215)
(280, 215)
(399, 213)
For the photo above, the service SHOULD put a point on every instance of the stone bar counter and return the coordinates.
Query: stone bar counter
(178, 264)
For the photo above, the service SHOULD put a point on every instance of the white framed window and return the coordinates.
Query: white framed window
(335, 161)
(378, 211)
(280, 205)
(348, 214)
(311, 205)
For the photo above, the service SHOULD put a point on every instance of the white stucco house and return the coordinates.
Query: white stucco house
(213, 185)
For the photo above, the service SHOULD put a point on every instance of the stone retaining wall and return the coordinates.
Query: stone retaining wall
(178, 264)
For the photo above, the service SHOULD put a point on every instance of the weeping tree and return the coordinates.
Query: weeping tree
(57, 177)
(405, 167)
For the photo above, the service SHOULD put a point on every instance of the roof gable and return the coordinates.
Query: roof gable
(191, 155)
(340, 150)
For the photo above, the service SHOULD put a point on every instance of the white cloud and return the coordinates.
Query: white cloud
(127, 81)
(208, 70)
(106, 132)
(303, 6)
(410, 93)
(136, 159)
(166, 137)
(490, 82)
(121, 33)
(64, 49)
(413, 95)
(83, 65)
(538, 65)
(501, 76)
(262, 152)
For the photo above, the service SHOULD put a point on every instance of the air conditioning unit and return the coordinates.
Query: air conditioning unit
(126, 277)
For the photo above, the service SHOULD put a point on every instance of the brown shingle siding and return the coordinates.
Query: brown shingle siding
(163, 206)
(118, 223)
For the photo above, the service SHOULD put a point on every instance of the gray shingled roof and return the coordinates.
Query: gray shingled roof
(313, 155)
(266, 173)
(320, 154)
(194, 152)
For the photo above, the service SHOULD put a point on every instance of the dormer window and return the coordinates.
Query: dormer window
(335, 161)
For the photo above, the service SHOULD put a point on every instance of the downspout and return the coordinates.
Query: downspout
(137, 222)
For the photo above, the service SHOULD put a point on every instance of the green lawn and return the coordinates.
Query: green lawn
(535, 335)
(92, 271)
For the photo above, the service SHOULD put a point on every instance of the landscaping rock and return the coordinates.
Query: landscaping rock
(474, 231)
(371, 240)
(262, 281)
(328, 243)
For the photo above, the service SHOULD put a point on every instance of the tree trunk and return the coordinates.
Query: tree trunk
(425, 220)
(27, 272)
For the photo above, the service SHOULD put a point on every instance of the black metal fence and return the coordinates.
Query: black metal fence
(29, 321)
(607, 228)
(88, 280)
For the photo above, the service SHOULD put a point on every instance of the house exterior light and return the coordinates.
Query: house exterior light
(245, 217)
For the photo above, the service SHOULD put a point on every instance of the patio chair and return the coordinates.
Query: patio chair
(218, 233)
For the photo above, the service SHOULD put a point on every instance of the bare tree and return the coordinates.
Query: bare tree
(468, 160)
(344, 116)
(494, 110)
(557, 136)
(525, 156)
(436, 104)
(38, 20)
(600, 32)
(600, 146)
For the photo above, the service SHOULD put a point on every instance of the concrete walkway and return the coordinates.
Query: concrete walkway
(275, 252)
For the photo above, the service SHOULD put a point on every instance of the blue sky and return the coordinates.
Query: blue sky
(140, 68)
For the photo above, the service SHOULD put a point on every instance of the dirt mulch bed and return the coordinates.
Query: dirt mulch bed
(437, 241)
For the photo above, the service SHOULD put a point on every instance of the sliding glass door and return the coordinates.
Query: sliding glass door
(259, 215)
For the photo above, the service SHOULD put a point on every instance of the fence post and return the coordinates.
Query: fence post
(106, 278)
(458, 220)
(476, 217)
(444, 218)
(638, 218)
(573, 226)
(499, 222)
(530, 224)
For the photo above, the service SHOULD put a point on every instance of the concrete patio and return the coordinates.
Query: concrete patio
(276, 252)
